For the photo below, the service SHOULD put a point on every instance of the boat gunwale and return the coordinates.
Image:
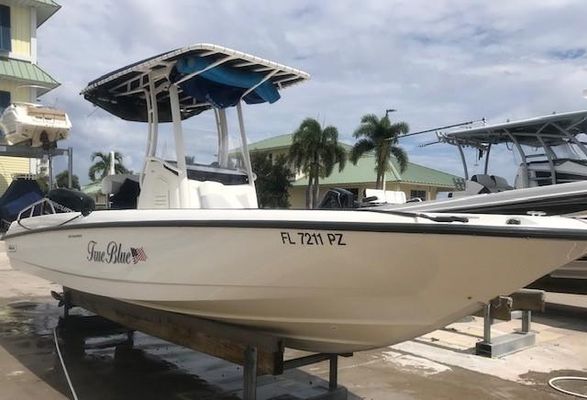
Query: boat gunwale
(453, 228)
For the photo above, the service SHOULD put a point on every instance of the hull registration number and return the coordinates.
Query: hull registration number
(312, 239)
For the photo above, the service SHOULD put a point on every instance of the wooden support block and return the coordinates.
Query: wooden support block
(529, 300)
(217, 339)
(501, 308)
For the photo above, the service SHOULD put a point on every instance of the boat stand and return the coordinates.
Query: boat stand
(520, 303)
(257, 352)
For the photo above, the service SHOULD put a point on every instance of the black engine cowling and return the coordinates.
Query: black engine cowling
(73, 200)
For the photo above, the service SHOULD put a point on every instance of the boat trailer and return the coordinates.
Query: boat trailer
(257, 352)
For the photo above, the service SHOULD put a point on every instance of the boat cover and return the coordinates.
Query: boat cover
(20, 194)
(207, 76)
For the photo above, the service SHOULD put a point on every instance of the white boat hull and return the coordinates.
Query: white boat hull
(35, 124)
(552, 199)
(340, 290)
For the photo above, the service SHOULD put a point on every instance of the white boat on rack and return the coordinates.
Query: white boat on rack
(324, 280)
(35, 124)
(551, 177)
(551, 149)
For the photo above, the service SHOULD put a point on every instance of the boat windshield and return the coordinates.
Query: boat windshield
(569, 151)
(206, 152)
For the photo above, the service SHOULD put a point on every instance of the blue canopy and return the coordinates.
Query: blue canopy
(224, 86)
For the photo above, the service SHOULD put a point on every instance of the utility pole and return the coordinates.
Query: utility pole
(389, 110)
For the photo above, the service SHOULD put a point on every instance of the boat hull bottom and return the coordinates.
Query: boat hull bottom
(319, 335)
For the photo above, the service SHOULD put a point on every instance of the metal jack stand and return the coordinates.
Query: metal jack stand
(335, 392)
(525, 301)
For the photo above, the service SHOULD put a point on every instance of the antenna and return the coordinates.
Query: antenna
(483, 120)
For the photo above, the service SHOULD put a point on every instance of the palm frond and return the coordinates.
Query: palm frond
(341, 157)
(361, 147)
(100, 155)
(401, 156)
(400, 128)
(95, 169)
(370, 119)
(330, 134)
(120, 169)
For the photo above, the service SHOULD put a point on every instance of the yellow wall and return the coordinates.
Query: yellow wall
(20, 26)
(20, 94)
(297, 197)
(10, 166)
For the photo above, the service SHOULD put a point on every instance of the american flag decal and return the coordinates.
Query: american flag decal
(138, 254)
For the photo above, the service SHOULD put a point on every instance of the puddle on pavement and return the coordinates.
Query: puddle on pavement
(107, 367)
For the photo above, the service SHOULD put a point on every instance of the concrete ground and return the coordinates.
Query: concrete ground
(439, 365)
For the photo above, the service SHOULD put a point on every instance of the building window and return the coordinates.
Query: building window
(418, 194)
(4, 100)
(5, 28)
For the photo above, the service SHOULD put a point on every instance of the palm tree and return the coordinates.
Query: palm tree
(380, 136)
(102, 166)
(273, 180)
(315, 151)
(62, 180)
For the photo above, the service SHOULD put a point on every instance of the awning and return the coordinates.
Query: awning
(27, 73)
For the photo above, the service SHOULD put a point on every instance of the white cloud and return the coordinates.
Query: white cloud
(436, 62)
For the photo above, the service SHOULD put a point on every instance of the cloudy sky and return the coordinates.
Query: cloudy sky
(437, 63)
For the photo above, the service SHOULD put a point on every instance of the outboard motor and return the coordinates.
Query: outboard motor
(73, 200)
(338, 198)
(127, 195)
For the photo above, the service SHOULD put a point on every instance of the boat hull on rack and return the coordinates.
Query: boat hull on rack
(329, 281)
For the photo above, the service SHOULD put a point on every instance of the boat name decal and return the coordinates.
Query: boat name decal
(115, 254)
(312, 239)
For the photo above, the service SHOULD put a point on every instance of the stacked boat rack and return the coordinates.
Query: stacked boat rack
(32, 130)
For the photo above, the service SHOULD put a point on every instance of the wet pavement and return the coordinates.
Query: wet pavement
(107, 367)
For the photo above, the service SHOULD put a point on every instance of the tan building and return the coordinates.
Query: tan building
(21, 79)
(416, 181)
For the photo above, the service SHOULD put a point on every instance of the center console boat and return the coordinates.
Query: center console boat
(332, 281)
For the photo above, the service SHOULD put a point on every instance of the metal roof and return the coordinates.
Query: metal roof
(279, 142)
(45, 10)
(553, 129)
(27, 73)
(364, 172)
(122, 92)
